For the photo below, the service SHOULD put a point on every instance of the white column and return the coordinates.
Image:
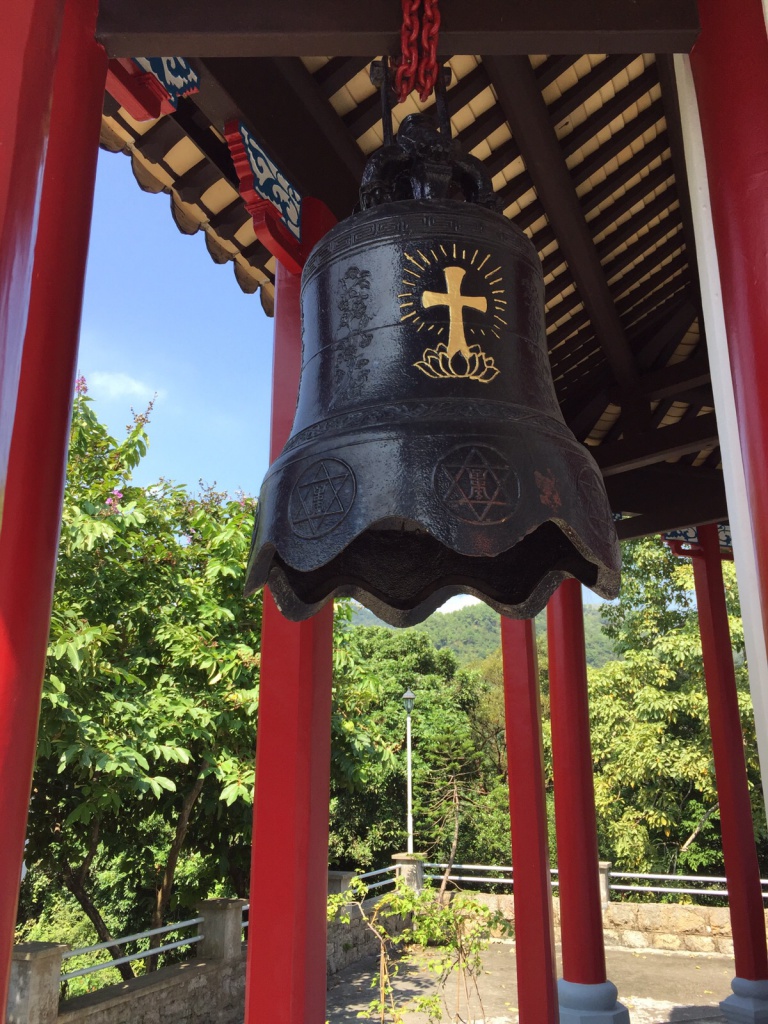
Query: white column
(725, 409)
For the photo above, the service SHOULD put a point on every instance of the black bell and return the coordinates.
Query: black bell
(428, 455)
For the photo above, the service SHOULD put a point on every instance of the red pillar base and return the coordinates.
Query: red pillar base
(748, 1004)
(590, 1004)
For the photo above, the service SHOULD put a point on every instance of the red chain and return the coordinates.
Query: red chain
(418, 64)
(405, 76)
(428, 69)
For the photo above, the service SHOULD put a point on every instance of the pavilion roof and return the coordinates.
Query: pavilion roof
(586, 154)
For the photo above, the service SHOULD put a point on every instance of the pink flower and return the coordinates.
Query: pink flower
(117, 493)
(81, 388)
(110, 501)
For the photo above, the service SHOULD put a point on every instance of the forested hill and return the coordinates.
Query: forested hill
(472, 633)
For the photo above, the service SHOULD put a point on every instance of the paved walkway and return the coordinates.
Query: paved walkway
(655, 986)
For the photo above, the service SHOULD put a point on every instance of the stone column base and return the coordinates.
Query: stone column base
(410, 867)
(748, 1004)
(590, 1004)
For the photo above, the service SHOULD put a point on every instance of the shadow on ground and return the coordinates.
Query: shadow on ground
(695, 1013)
(656, 987)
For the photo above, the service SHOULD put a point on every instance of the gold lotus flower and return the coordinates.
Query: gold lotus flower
(471, 363)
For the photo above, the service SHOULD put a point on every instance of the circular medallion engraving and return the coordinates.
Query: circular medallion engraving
(321, 497)
(477, 485)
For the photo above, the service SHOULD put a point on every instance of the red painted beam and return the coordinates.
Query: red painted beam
(734, 123)
(581, 918)
(745, 900)
(28, 46)
(534, 933)
(32, 513)
(286, 971)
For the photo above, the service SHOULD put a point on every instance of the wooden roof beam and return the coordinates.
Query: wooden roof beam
(519, 95)
(679, 489)
(338, 72)
(666, 70)
(651, 446)
(675, 517)
(272, 97)
(305, 28)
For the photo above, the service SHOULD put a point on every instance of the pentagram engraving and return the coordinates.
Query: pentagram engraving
(321, 498)
(477, 485)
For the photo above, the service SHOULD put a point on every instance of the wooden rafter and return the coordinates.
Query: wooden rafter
(637, 164)
(618, 142)
(519, 95)
(609, 111)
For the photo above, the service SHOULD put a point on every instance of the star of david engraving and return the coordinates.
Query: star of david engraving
(477, 484)
(321, 498)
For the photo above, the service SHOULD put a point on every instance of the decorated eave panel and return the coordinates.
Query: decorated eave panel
(586, 155)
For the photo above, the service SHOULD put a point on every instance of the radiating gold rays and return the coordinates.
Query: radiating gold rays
(445, 255)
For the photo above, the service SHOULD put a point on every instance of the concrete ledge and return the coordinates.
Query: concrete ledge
(196, 992)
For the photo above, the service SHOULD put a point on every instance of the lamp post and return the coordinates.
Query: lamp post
(408, 699)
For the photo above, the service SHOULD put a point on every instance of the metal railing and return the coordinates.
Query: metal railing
(501, 875)
(388, 880)
(141, 954)
(702, 885)
(484, 875)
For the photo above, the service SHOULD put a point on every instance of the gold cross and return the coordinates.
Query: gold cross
(455, 301)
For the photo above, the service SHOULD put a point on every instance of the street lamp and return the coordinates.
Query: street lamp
(408, 699)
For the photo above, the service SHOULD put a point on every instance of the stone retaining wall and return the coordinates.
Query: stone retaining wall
(668, 926)
(350, 942)
(648, 925)
(196, 992)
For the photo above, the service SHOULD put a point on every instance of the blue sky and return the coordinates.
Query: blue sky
(160, 317)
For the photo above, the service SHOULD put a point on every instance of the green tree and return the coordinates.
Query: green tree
(654, 776)
(150, 696)
(454, 776)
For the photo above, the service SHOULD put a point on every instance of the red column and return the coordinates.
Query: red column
(28, 45)
(730, 69)
(581, 917)
(745, 898)
(286, 972)
(535, 941)
(37, 463)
